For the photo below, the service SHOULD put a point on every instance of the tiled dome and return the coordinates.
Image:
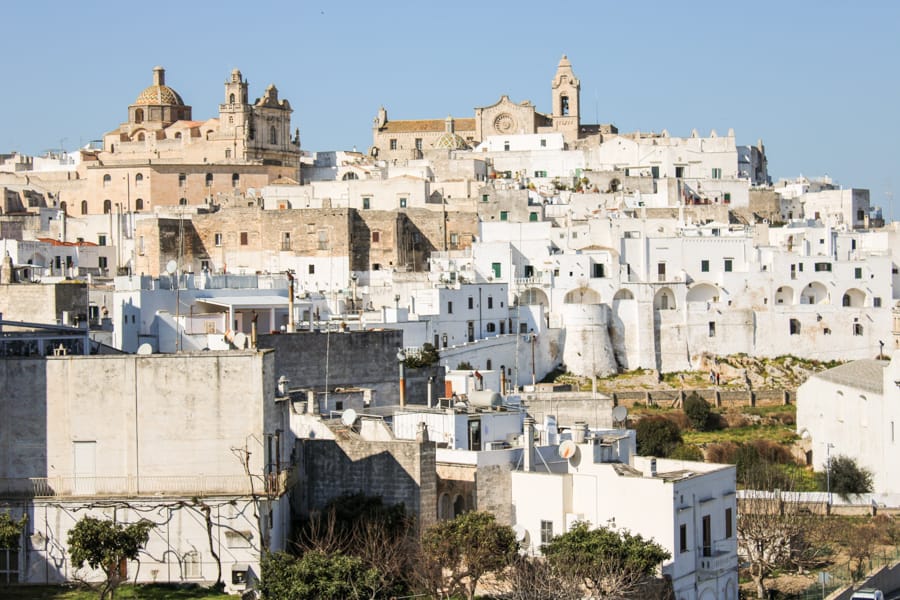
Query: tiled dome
(159, 92)
(451, 141)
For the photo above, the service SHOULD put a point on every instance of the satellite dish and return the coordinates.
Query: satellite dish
(567, 449)
(619, 414)
(145, 349)
(171, 266)
(348, 418)
(240, 340)
(520, 531)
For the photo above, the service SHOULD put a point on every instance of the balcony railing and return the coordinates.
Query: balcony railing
(44, 487)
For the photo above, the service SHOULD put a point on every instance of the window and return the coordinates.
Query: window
(228, 150)
(717, 173)
(182, 179)
(506, 146)
(311, 269)
(727, 198)
(217, 239)
(533, 217)
(485, 197)
(491, 328)
(209, 179)
(822, 266)
(661, 271)
(106, 180)
(323, 239)
(704, 266)
(682, 539)
(454, 239)
(546, 531)
(504, 215)
(857, 329)
(679, 172)
(449, 307)
(528, 271)
(471, 303)
(543, 143)
(729, 524)
(182, 201)
(244, 238)
(393, 143)
(598, 270)
(418, 143)
(367, 203)
(235, 179)
(876, 301)
(857, 273)
(101, 239)
(795, 327)
(712, 329)
(376, 237)
(9, 565)
(138, 179)
(495, 267)
(273, 135)
(192, 559)
(139, 115)
(860, 215)
(285, 240)
(490, 302)
(707, 536)
(729, 265)
(84, 207)
(139, 204)
(101, 262)
(402, 202)
(107, 207)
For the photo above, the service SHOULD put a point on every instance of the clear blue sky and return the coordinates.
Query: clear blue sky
(818, 81)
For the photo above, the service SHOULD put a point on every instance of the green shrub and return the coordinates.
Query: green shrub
(657, 436)
(698, 411)
(687, 452)
(847, 477)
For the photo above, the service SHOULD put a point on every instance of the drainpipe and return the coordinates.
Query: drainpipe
(529, 444)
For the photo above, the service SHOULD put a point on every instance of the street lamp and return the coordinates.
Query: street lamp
(828, 448)
(533, 378)
(401, 360)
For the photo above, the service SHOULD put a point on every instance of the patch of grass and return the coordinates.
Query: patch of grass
(125, 592)
(774, 433)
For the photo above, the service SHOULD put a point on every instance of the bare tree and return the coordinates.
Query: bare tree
(534, 578)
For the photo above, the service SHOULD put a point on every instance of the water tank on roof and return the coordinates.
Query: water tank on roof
(485, 399)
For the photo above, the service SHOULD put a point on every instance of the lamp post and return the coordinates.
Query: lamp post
(401, 360)
(828, 448)
(533, 378)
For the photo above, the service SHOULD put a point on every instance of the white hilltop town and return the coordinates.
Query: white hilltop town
(203, 321)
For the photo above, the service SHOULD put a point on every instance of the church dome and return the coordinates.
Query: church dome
(159, 92)
(451, 141)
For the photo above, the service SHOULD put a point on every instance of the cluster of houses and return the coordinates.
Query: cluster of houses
(204, 325)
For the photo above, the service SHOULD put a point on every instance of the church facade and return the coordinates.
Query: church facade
(409, 139)
(161, 156)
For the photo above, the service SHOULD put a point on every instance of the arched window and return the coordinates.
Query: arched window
(459, 505)
(273, 137)
(231, 99)
(107, 207)
(139, 115)
(182, 201)
(84, 207)
(235, 179)
(106, 180)
(178, 136)
(62, 206)
(209, 179)
(349, 175)
(138, 179)
(140, 137)
(227, 152)
(139, 204)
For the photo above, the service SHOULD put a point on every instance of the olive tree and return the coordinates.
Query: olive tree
(104, 544)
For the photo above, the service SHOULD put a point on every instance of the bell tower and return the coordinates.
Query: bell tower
(566, 90)
(235, 109)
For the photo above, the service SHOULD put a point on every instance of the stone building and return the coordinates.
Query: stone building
(409, 139)
(161, 156)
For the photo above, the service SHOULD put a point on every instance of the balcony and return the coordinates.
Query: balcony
(61, 487)
(713, 561)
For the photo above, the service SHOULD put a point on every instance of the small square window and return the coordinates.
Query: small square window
(393, 143)
(729, 265)
(485, 197)
(504, 215)
(367, 203)
(312, 269)
(857, 273)
(704, 266)
(376, 237)
(402, 202)
(245, 237)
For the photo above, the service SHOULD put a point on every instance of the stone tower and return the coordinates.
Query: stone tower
(566, 90)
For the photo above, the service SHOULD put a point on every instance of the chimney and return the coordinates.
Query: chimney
(422, 432)
(159, 76)
(529, 444)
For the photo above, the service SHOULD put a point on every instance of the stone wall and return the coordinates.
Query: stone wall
(398, 471)
(39, 303)
(569, 407)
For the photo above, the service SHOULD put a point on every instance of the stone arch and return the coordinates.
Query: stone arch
(459, 505)
(623, 294)
(784, 295)
(533, 296)
(814, 293)
(349, 175)
(703, 292)
(444, 507)
(107, 207)
(63, 207)
(582, 295)
(854, 297)
(664, 299)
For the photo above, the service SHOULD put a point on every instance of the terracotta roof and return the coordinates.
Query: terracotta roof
(427, 125)
(53, 242)
(185, 123)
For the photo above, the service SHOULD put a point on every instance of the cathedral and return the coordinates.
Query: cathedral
(409, 139)
(161, 156)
